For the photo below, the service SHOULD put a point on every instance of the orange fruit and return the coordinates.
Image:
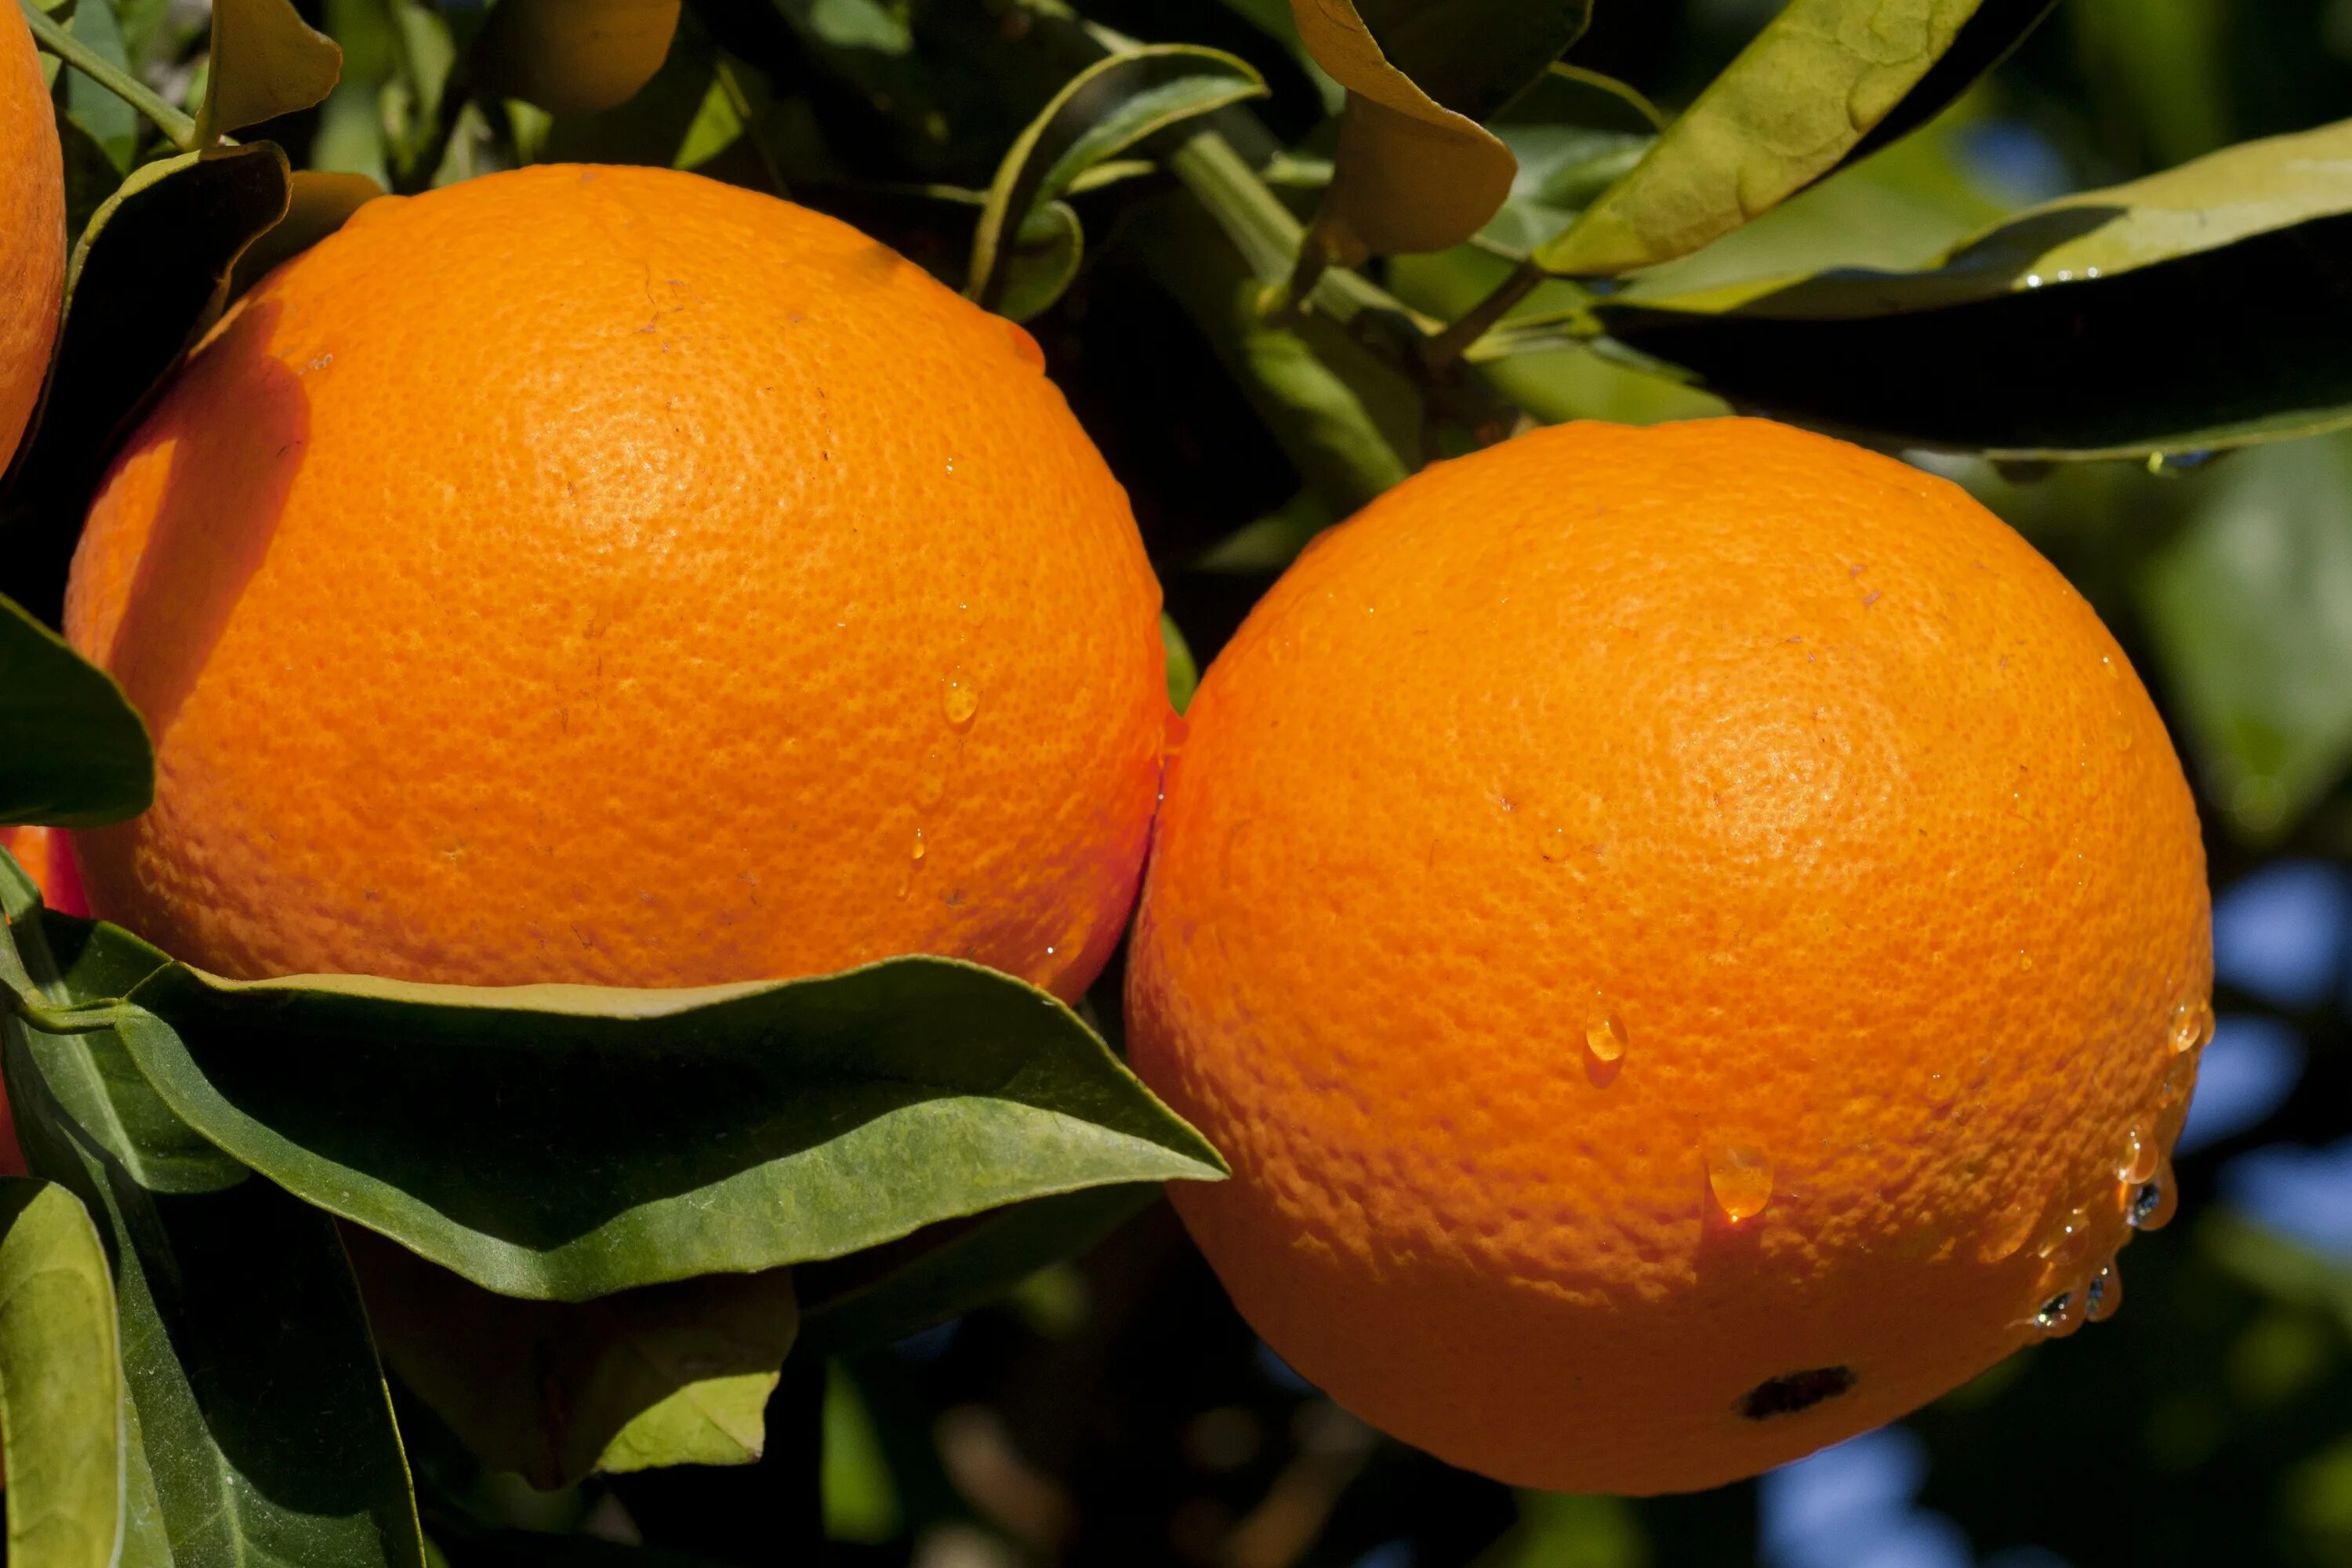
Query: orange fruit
(47, 857)
(608, 576)
(32, 230)
(1693, 940)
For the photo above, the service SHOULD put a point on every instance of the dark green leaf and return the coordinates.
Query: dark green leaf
(2251, 610)
(149, 275)
(1101, 112)
(266, 61)
(264, 1435)
(73, 751)
(1335, 414)
(668, 1133)
(1475, 56)
(573, 56)
(884, 1293)
(2195, 309)
(90, 1075)
(60, 1383)
(319, 204)
(1794, 105)
(667, 1374)
(107, 121)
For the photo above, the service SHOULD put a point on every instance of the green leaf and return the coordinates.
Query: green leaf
(1100, 113)
(73, 751)
(266, 61)
(883, 1294)
(573, 56)
(1796, 103)
(1340, 417)
(60, 1383)
(149, 275)
(1183, 674)
(670, 1133)
(1991, 35)
(666, 1374)
(859, 1494)
(2251, 610)
(1574, 133)
(1475, 56)
(1411, 175)
(110, 123)
(319, 204)
(2195, 309)
(91, 1076)
(262, 1427)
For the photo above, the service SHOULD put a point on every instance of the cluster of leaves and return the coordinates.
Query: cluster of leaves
(584, 1229)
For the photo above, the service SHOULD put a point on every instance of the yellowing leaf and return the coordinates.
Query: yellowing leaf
(573, 56)
(1411, 175)
(1791, 106)
(266, 61)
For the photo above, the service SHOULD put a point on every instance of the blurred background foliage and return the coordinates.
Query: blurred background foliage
(1114, 1410)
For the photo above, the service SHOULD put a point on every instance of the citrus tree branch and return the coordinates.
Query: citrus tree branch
(180, 128)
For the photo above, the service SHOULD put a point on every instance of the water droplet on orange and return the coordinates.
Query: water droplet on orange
(2191, 1027)
(2140, 1156)
(2010, 1228)
(2059, 1315)
(918, 844)
(1604, 1032)
(2153, 1201)
(2104, 1294)
(2069, 1242)
(1552, 842)
(1741, 1177)
(959, 701)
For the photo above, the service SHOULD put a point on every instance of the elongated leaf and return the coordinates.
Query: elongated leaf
(266, 61)
(112, 124)
(1101, 112)
(573, 56)
(317, 204)
(149, 275)
(263, 1430)
(1410, 175)
(90, 1075)
(73, 751)
(668, 1375)
(2196, 308)
(1989, 35)
(668, 1133)
(2251, 608)
(60, 1383)
(1795, 104)
(884, 1293)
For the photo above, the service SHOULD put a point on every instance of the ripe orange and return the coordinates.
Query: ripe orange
(44, 854)
(32, 230)
(605, 574)
(1692, 940)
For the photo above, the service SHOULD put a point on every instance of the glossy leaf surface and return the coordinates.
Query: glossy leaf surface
(73, 751)
(60, 1382)
(668, 1133)
(669, 1374)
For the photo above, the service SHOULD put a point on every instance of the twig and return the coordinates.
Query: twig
(1447, 346)
(179, 127)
